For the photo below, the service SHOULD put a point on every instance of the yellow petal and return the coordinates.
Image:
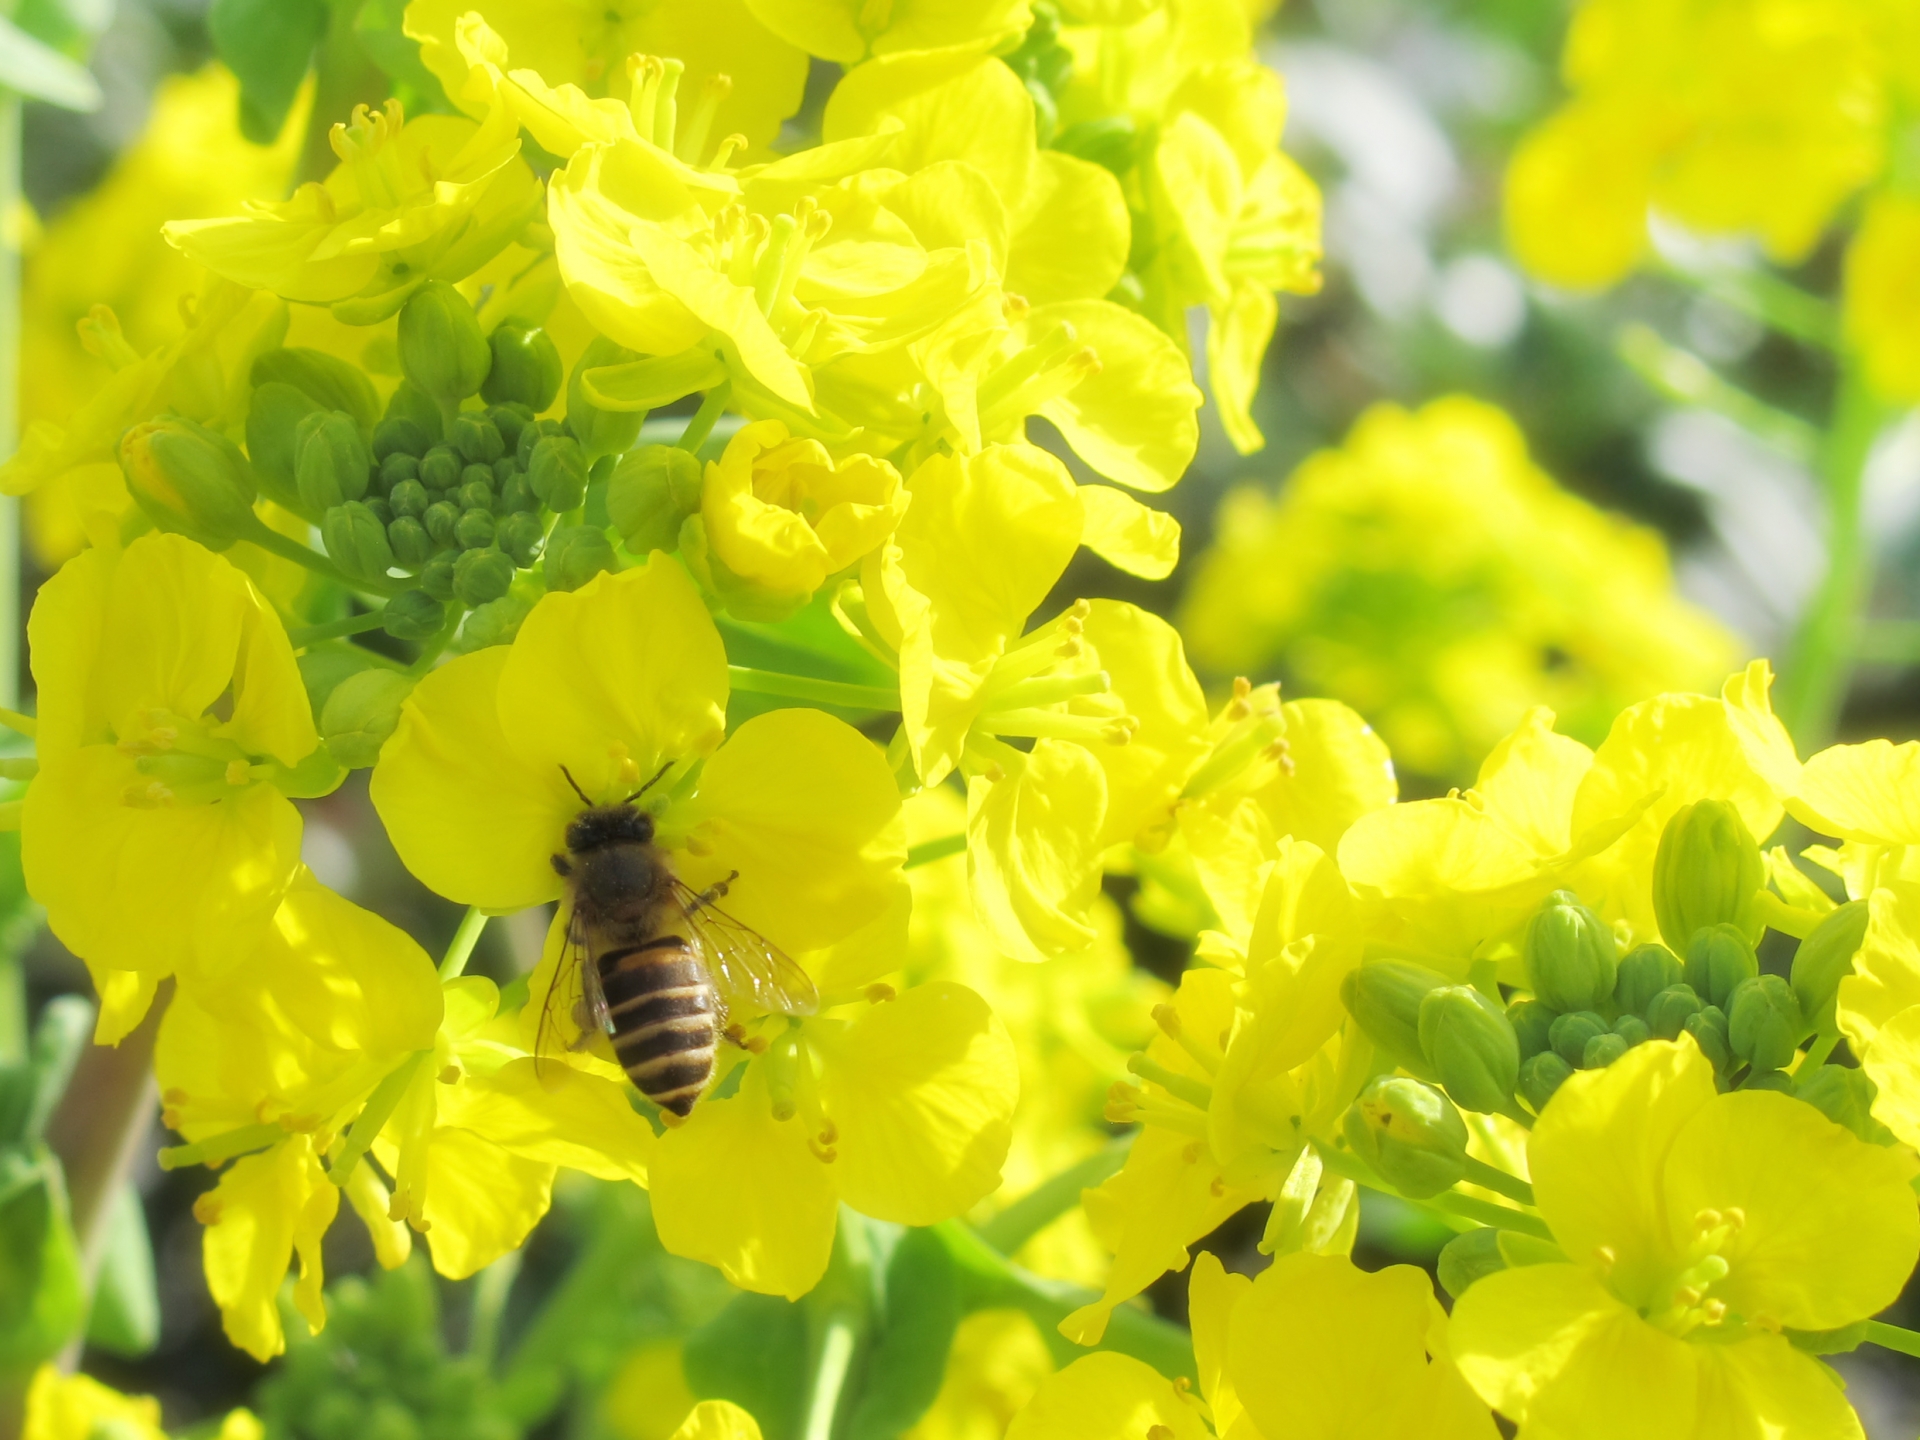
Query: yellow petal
(1107, 1395)
(718, 1420)
(1576, 197)
(1128, 535)
(1213, 1294)
(78, 1407)
(1134, 420)
(1147, 667)
(550, 1112)
(265, 1208)
(1033, 850)
(1237, 340)
(1863, 792)
(1070, 232)
(480, 1200)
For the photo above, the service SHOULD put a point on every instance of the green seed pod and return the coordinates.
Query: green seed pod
(412, 546)
(1718, 960)
(1708, 1026)
(440, 468)
(1707, 871)
(1570, 1033)
(356, 540)
(600, 432)
(330, 460)
(1531, 1022)
(475, 437)
(475, 494)
(474, 529)
(441, 347)
(362, 711)
(436, 576)
(1541, 1076)
(410, 402)
(575, 554)
(1644, 972)
(1470, 1046)
(1633, 1030)
(414, 615)
(1824, 959)
(394, 469)
(1384, 998)
(516, 495)
(480, 576)
(273, 415)
(526, 366)
(651, 493)
(399, 435)
(1764, 1024)
(1668, 1011)
(1410, 1134)
(441, 518)
(557, 473)
(189, 479)
(409, 497)
(1845, 1096)
(1602, 1051)
(330, 382)
(521, 536)
(1570, 955)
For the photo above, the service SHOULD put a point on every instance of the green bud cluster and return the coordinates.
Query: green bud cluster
(1707, 872)
(1452, 1034)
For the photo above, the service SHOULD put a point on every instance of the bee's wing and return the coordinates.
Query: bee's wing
(749, 970)
(573, 993)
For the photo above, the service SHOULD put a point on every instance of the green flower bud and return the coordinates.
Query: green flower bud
(516, 495)
(1633, 1030)
(1541, 1076)
(400, 435)
(1845, 1096)
(504, 469)
(651, 493)
(361, 713)
(1719, 958)
(521, 536)
(1707, 871)
(1668, 1011)
(410, 402)
(526, 366)
(394, 469)
(189, 479)
(1708, 1026)
(440, 468)
(1768, 1080)
(330, 382)
(1764, 1025)
(510, 420)
(1570, 955)
(475, 437)
(575, 554)
(1410, 1134)
(1385, 999)
(412, 546)
(600, 432)
(557, 473)
(1570, 1033)
(441, 519)
(1471, 1255)
(441, 347)
(409, 497)
(436, 576)
(474, 529)
(1824, 959)
(273, 415)
(1602, 1051)
(1531, 1022)
(494, 623)
(531, 436)
(480, 576)
(414, 615)
(1471, 1047)
(1644, 972)
(475, 493)
(330, 461)
(382, 511)
(357, 541)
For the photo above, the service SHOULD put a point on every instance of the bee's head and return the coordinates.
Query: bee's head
(606, 825)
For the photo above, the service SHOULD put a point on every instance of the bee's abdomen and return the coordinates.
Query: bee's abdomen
(665, 1020)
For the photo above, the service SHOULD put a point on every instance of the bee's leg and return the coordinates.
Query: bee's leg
(714, 891)
(737, 1036)
(583, 1022)
(561, 866)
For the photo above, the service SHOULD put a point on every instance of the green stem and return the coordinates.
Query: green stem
(336, 629)
(1893, 1337)
(1682, 376)
(271, 540)
(1820, 660)
(10, 202)
(1048, 1201)
(1492, 1178)
(373, 1117)
(1774, 302)
(1818, 1052)
(701, 425)
(806, 687)
(491, 1289)
(839, 1338)
(928, 851)
(460, 949)
(1446, 1204)
(1888, 642)
(218, 1149)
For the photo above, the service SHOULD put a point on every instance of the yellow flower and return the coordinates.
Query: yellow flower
(778, 516)
(997, 1361)
(173, 726)
(718, 1420)
(78, 1407)
(848, 31)
(1882, 296)
(432, 199)
(1697, 1227)
(1310, 1349)
(1431, 576)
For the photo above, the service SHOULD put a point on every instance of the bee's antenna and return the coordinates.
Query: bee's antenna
(658, 775)
(576, 787)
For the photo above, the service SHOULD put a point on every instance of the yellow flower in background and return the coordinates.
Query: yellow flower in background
(1696, 1227)
(173, 726)
(997, 1362)
(1430, 575)
(78, 1407)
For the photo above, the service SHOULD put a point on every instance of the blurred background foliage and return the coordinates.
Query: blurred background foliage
(1478, 494)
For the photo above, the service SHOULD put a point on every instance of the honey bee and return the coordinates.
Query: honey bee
(662, 966)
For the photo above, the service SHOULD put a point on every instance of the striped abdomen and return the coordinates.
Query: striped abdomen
(665, 1019)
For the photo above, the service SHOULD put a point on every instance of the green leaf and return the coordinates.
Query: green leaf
(42, 1299)
(68, 25)
(754, 1353)
(126, 1305)
(919, 1314)
(38, 71)
(59, 1038)
(268, 44)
